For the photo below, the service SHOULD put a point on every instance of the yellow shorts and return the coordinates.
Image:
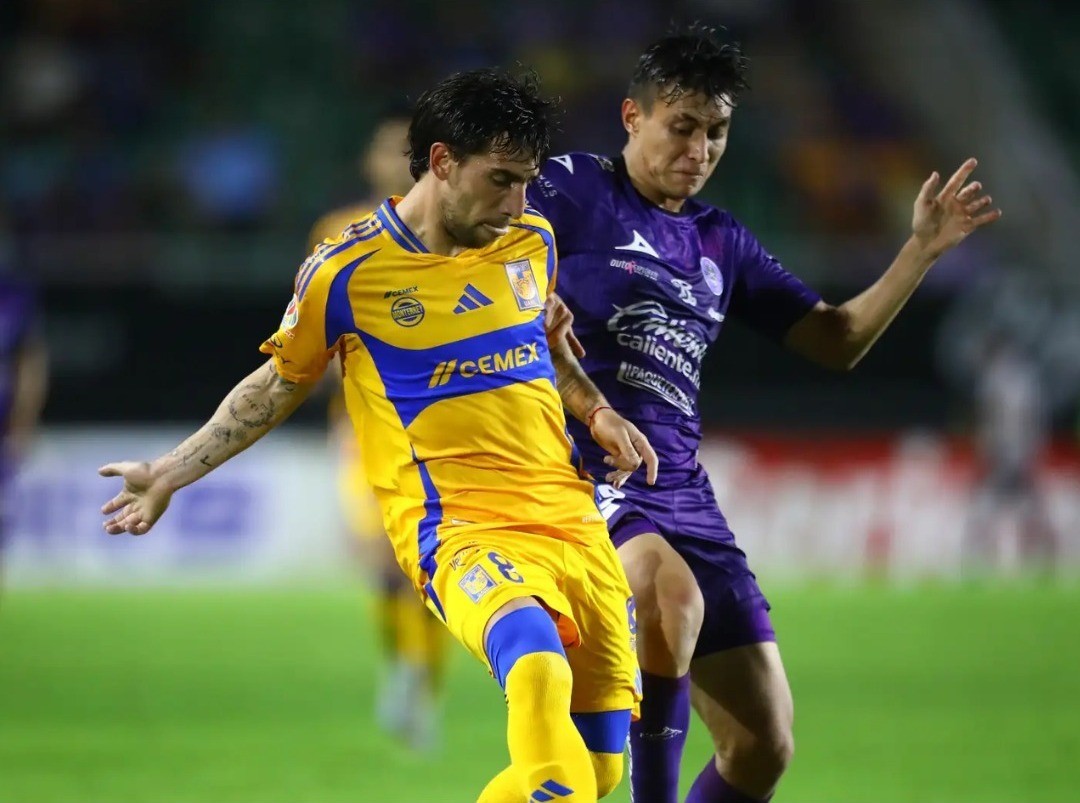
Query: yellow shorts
(583, 587)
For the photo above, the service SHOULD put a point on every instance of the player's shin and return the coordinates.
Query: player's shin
(710, 787)
(504, 788)
(658, 737)
(547, 753)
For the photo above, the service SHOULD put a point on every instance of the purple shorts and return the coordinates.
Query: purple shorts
(688, 518)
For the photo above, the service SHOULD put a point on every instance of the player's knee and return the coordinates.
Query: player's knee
(672, 607)
(767, 753)
(604, 734)
(525, 643)
(608, 768)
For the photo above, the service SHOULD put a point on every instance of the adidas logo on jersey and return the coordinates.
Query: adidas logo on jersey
(471, 299)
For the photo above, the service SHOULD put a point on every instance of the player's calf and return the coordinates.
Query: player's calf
(547, 753)
(670, 610)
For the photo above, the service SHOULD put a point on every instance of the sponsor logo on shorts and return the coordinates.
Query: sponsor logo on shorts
(476, 583)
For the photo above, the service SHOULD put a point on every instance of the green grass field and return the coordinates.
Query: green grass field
(931, 694)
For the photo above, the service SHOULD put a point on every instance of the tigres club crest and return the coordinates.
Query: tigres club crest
(523, 283)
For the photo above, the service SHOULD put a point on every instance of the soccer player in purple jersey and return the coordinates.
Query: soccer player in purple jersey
(650, 275)
(22, 379)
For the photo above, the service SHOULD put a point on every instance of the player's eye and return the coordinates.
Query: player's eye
(683, 131)
(717, 131)
(501, 180)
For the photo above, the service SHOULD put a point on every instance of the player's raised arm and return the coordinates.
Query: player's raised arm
(838, 337)
(627, 447)
(254, 407)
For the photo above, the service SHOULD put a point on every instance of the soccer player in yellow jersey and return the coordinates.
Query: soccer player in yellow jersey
(413, 639)
(436, 303)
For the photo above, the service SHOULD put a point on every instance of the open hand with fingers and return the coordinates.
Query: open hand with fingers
(944, 218)
(627, 447)
(140, 502)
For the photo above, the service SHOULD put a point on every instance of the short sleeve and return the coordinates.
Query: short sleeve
(766, 297)
(299, 347)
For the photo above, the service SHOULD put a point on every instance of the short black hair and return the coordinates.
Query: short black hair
(482, 111)
(690, 60)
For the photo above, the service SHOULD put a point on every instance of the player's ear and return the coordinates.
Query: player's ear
(631, 116)
(440, 159)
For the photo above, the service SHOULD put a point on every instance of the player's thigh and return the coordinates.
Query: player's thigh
(663, 585)
(742, 695)
(490, 577)
(603, 661)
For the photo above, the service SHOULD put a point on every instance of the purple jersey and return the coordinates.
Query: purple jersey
(16, 318)
(650, 291)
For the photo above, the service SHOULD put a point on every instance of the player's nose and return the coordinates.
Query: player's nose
(514, 203)
(698, 149)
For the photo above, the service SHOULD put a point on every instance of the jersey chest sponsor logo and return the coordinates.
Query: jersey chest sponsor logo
(644, 324)
(495, 363)
(635, 268)
(407, 311)
(404, 291)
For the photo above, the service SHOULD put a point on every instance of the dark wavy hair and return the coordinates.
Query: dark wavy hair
(482, 111)
(689, 60)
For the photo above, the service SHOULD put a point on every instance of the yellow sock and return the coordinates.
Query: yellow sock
(387, 611)
(547, 753)
(503, 788)
(412, 629)
(437, 639)
(608, 769)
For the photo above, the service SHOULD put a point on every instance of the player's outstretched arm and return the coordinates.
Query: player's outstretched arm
(626, 445)
(254, 407)
(838, 337)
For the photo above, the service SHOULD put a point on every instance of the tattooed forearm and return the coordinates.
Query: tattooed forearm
(253, 405)
(578, 393)
(253, 408)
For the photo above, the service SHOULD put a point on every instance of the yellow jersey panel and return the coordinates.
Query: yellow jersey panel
(448, 379)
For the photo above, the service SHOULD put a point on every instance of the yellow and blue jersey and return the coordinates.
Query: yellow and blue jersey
(447, 379)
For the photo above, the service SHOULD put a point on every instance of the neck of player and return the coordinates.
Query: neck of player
(638, 172)
(419, 210)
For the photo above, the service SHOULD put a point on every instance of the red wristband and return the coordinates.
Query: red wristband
(592, 415)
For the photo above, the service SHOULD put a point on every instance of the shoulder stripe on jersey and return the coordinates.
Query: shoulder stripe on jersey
(399, 231)
(320, 257)
(549, 241)
(339, 318)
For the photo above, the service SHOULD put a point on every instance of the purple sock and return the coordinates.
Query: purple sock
(657, 739)
(710, 787)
